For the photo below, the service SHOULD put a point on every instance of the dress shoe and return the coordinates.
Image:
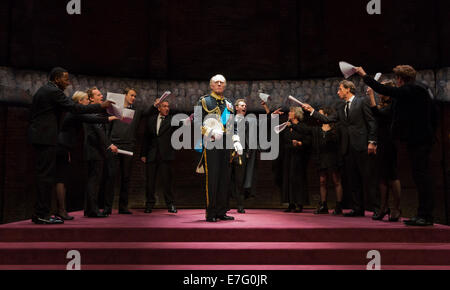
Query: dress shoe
(338, 208)
(64, 216)
(47, 220)
(97, 215)
(241, 210)
(354, 213)
(226, 218)
(211, 219)
(298, 209)
(173, 209)
(378, 216)
(291, 208)
(322, 209)
(125, 211)
(418, 221)
(395, 215)
(148, 210)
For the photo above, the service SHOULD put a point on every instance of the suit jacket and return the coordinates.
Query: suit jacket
(158, 144)
(96, 142)
(414, 114)
(72, 125)
(48, 104)
(358, 129)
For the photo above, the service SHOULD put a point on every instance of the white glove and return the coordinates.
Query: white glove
(217, 134)
(238, 148)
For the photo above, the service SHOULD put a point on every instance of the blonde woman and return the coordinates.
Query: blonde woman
(67, 141)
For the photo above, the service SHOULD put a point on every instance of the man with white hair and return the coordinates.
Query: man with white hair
(216, 110)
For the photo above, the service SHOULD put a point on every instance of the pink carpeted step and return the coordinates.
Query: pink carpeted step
(254, 226)
(223, 267)
(225, 253)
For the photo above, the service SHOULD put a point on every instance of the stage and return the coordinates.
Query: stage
(257, 240)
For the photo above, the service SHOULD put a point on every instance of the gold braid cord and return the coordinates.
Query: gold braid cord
(206, 171)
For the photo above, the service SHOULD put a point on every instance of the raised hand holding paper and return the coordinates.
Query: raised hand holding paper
(347, 69)
(116, 109)
(165, 95)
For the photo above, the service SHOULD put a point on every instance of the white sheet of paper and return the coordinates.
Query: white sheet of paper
(264, 97)
(280, 128)
(165, 95)
(295, 100)
(346, 69)
(117, 108)
(127, 115)
(377, 76)
(124, 152)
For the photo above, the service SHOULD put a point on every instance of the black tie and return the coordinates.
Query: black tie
(347, 107)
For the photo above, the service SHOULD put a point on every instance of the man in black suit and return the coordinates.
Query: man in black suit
(48, 104)
(123, 135)
(96, 146)
(157, 153)
(358, 136)
(414, 123)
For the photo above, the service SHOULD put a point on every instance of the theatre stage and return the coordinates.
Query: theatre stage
(258, 240)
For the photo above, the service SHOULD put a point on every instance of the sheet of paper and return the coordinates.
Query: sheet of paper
(117, 108)
(280, 128)
(346, 69)
(127, 116)
(124, 152)
(378, 76)
(264, 97)
(295, 100)
(164, 96)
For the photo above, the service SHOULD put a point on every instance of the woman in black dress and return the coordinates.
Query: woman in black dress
(386, 157)
(294, 139)
(325, 148)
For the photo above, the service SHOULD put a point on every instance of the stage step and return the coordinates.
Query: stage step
(194, 253)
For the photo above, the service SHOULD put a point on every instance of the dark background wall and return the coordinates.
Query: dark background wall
(251, 39)
(192, 40)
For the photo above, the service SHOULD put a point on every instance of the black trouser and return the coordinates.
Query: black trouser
(118, 165)
(238, 179)
(358, 169)
(95, 176)
(164, 170)
(419, 156)
(218, 178)
(45, 178)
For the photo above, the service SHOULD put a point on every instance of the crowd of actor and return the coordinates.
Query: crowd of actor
(353, 145)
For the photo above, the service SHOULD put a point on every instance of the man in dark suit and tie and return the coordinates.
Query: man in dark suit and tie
(358, 136)
(96, 146)
(157, 153)
(414, 123)
(48, 104)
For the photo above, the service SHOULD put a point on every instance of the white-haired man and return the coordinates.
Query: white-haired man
(216, 157)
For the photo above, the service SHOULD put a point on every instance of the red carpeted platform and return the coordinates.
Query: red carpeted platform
(259, 240)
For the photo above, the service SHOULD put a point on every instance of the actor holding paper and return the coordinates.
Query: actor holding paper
(358, 136)
(414, 123)
(158, 154)
(123, 135)
(48, 104)
(96, 146)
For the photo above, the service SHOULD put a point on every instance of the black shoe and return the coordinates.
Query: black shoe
(226, 218)
(107, 212)
(338, 208)
(148, 209)
(125, 211)
(378, 216)
(211, 219)
(354, 213)
(64, 217)
(299, 209)
(241, 210)
(97, 215)
(291, 208)
(47, 221)
(395, 215)
(322, 209)
(173, 209)
(421, 222)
